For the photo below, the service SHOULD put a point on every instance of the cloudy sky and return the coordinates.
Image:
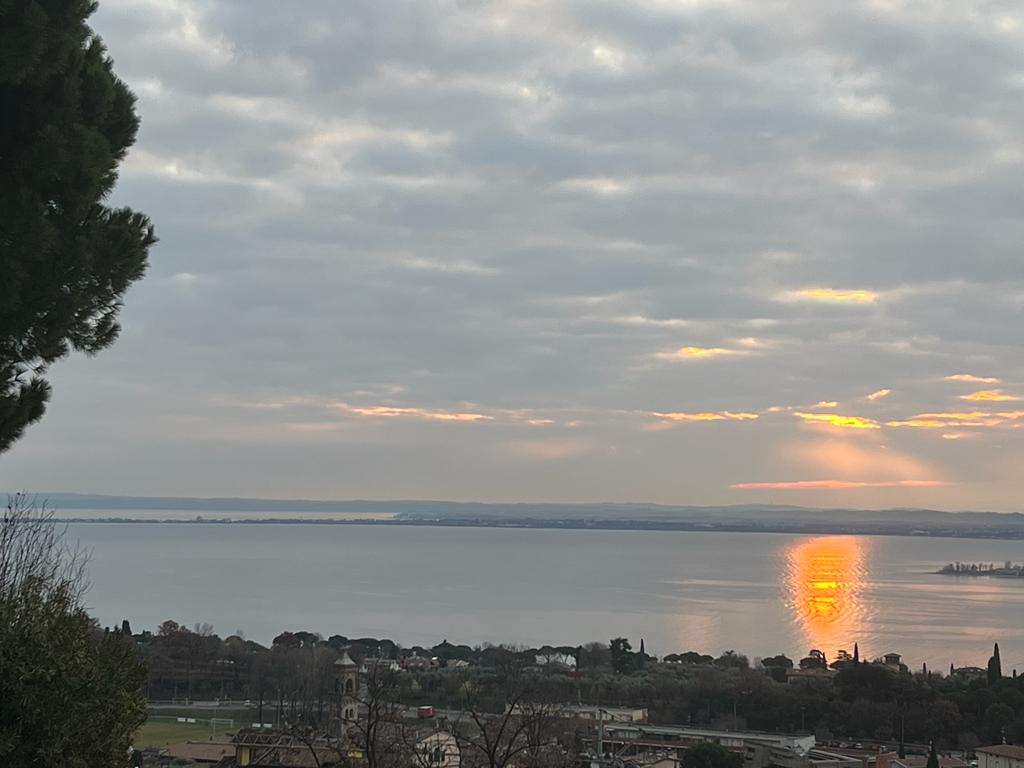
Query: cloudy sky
(665, 250)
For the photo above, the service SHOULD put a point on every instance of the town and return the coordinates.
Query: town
(306, 700)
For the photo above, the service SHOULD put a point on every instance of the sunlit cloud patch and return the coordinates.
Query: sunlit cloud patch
(699, 353)
(972, 379)
(832, 295)
(990, 395)
(682, 417)
(837, 420)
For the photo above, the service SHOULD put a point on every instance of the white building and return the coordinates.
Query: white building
(1000, 756)
(437, 750)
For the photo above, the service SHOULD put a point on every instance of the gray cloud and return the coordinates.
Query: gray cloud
(521, 210)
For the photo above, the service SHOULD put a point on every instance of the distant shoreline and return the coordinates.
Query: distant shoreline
(803, 528)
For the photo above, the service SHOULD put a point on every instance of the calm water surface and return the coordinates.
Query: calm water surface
(759, 594)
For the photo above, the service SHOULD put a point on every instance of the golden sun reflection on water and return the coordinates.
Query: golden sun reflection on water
(825, 579)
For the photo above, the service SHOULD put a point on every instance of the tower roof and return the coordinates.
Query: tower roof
(345, 661)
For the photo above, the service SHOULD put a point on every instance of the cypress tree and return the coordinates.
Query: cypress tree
(66, 259)
(995, 666)
(856, 653)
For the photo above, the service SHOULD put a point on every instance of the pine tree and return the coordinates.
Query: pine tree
(66, 259)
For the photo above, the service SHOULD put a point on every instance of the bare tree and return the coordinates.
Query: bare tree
(377, 728)
(35, 556)
(72, 692)
(375, 733)
(522, 733)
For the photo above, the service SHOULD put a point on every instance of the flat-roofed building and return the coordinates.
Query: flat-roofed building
(668, 743)
(1000, 756)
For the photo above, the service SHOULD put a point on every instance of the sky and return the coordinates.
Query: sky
(673, 251)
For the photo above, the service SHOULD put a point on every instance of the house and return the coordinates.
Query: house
(375, 665)
(1000, 756)
(607, 714)
(814, 675)
(418, 663)
(556, 661)
(437, 749)
(203, 752)
(892, 661)
(667, 744)
(967, 674)
(279, 749)
(920, 761)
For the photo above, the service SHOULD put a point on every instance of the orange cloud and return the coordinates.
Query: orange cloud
(430, 414)
(826, 404)
(919, 423)
(705, 416)
(879, 394)
(958, 419)
(832, 295)
(989, 395)
(837, 485)
(971, 378)
(836, 420)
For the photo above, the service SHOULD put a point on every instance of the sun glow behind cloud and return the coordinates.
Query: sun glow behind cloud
(836, 485)
(699, 353)
(832, 295)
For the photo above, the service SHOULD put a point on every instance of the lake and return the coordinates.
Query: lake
(759, 594)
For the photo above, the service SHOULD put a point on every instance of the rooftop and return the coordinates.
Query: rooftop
(1003, 750)
(199, 751)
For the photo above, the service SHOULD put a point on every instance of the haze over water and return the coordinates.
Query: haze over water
(759, 594)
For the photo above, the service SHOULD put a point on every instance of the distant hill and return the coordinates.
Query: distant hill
(740, 517)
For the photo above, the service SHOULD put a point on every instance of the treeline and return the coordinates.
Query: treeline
(857, 700)
(982, 569)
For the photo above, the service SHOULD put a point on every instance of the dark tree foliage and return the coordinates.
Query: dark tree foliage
(71, 691)
(622, 656)
(708, 755)
(66, 259)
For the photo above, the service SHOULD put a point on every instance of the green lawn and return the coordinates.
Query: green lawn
(160, 733)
